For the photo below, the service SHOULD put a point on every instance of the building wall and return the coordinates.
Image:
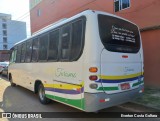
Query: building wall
(54, 10)
(142, 12)
(15, 31)
(151, 46)
(145, 13)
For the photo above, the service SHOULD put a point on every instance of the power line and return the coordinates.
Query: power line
(22, 18)
(68, 13)
(23, 15)
(16, 29)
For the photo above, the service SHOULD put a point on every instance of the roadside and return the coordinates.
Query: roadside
(137, 107)
(150, 98)
(2, 90)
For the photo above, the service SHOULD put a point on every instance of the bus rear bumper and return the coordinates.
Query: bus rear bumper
(98, 101)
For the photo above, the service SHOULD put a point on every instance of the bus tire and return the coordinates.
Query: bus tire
(41, 94)
(11, 81)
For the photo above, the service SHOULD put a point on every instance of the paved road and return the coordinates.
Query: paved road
(18, 99)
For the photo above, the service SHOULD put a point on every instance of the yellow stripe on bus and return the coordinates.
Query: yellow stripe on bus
(64, 86)
(121, 77)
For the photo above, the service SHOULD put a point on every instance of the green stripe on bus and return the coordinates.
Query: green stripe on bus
(137, 83)
(107, 88)
(74, 102)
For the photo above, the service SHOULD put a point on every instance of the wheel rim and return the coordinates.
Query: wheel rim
(41, 93)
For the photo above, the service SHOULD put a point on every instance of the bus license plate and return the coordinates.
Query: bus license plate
(125, 86)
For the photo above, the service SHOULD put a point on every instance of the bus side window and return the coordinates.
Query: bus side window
(77, 37)
(53, 45)
(13, 56)
(35, 49)
(18, 54)
(28, 51)
(23, 50)
(43, 47)
(65, 42)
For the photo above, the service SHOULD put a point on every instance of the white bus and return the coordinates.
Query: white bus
(90, 61)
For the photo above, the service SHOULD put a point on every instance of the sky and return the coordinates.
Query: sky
(19, 9)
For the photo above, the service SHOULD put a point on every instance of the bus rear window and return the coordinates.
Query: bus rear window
(118, 35)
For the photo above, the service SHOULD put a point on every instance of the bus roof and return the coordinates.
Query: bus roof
(65, 20)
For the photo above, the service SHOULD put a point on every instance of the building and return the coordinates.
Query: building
(11, 31)
(145, 13)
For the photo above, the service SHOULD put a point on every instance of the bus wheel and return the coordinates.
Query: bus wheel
(41, 94)
(11, 81)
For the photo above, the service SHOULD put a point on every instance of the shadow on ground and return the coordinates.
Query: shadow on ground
(151, 98)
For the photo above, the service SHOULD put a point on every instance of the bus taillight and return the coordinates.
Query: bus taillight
(93, 77)
(124, 56)
(93, 69)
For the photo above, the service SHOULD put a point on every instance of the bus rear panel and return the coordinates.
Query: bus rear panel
(120, 64)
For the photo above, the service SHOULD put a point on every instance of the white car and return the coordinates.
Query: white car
(3, 65)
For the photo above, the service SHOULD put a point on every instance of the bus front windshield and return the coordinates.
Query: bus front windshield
(118, 35)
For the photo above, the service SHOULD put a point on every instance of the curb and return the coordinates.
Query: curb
(137, 107)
